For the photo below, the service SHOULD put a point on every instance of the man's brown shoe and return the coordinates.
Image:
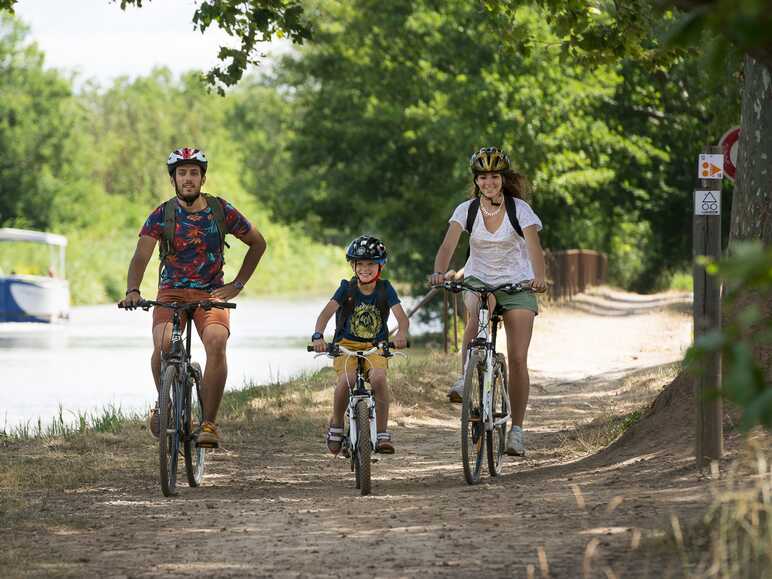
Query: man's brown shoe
(208, 435)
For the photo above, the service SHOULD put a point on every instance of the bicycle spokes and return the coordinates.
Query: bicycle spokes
(472, 424)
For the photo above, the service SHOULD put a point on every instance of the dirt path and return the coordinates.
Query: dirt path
(283, 508)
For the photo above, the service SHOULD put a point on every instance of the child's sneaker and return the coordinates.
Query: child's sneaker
(383, 444)
(334, 439)
(456, 392)
(515, 446)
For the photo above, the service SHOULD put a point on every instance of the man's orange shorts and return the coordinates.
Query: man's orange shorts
(201, 318)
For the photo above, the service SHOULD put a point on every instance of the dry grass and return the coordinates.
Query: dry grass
(631, 400)
(734, 538)
(592, 436)
(61, 457)
(31, 469)
(740, 520)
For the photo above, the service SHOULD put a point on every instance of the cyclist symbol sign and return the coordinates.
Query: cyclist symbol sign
(707, 202)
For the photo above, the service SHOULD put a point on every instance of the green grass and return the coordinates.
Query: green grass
(110, 419)
(681, 281)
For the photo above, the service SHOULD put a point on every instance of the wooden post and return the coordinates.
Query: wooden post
(707, 316)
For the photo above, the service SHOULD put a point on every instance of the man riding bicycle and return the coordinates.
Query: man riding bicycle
(191, 229)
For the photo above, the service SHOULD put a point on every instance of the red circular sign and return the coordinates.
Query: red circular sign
(729, 143)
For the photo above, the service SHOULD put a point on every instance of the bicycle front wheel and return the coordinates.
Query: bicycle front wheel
(364, 448)
(472, 427)
(497, 438)
(169, 434)
(193, 413)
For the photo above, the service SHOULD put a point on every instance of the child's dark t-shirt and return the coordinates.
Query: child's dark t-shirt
(365, 323)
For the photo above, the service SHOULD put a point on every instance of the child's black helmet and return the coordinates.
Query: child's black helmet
(367, 247)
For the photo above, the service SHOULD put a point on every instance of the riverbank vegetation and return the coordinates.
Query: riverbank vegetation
(373, 121)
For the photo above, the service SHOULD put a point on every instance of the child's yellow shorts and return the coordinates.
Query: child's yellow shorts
(349, 363)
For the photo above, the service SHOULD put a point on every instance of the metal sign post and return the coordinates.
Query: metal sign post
(707, 303)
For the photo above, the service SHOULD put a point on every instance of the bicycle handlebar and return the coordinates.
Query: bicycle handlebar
(335, 350)
(510, 288)
(204, 304)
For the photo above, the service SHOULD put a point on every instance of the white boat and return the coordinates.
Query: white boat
(26, 297)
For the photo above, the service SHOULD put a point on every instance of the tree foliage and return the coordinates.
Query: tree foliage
(388, 103)
(38, 132)
(249, 21)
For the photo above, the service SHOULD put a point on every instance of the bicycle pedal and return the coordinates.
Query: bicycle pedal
(207, 445)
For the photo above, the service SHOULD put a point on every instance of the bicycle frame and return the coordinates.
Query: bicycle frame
(179, 355)
(360, 392)
(485, 342)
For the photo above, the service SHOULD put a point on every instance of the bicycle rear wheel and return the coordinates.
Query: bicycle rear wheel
(364, 449)
(472, 428)
(193, 412)
(169, 433)
(497, 438)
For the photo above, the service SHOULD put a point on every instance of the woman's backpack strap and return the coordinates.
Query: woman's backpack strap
(511, 205)
(471, 214)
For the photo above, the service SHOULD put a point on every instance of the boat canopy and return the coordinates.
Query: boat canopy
(11, 234)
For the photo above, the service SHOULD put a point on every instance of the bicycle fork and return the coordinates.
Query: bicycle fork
(353, 432)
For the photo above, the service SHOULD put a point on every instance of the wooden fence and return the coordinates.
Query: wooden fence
(569, 272)
(572, 271)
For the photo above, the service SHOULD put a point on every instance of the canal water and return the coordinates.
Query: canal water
(101, 357)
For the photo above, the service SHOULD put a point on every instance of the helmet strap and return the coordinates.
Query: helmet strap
(374, 280)
(188, 202)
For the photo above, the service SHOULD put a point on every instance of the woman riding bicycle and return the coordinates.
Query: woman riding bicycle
(504, 247)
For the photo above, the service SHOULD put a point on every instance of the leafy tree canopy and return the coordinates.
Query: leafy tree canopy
(389, 100)
(251, 22)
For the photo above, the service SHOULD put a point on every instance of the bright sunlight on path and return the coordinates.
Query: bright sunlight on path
(274, 504)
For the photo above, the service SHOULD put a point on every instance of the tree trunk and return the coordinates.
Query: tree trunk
(752, 202)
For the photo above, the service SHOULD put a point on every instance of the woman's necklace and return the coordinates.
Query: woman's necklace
(490, 213)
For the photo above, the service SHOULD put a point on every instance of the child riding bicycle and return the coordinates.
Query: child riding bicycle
(362, 305)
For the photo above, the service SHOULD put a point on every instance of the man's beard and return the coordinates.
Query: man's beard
(187, 200)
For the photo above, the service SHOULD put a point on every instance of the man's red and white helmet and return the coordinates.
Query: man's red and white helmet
(186, 156)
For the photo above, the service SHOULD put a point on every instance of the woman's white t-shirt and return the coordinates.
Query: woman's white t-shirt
(502, 256)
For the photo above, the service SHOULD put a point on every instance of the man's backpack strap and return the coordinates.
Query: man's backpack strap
(166, 246)
(215, 204)
(510, 205)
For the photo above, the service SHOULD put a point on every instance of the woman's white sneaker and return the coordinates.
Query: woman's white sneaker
(456, 392)
(515, 446)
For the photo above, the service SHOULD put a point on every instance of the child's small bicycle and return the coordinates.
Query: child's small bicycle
(362, 435)
(485, 408)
